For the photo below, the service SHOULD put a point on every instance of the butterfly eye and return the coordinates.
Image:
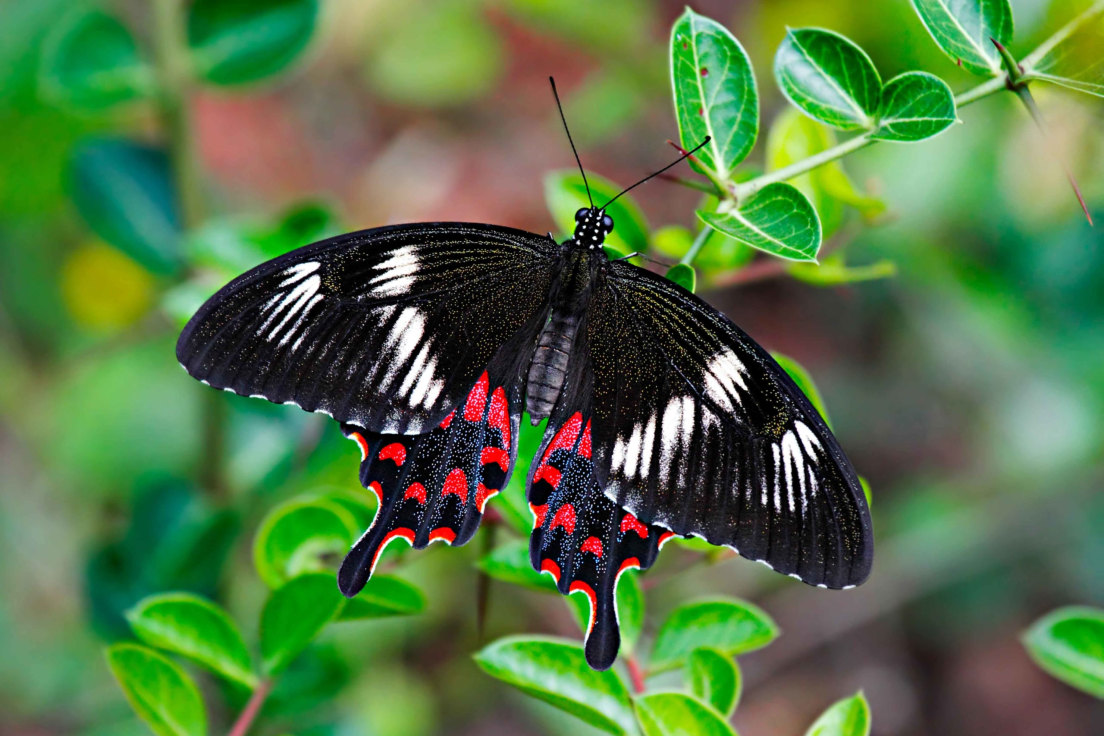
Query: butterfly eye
(607, 223)
(580, 214)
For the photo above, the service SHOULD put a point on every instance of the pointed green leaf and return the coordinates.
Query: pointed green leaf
(294, 615)
(158, 690)
(829, 78)
(556, 672)
(915, 106)
(676, 714)
(564, 194)
(1075, 60)
(196, 628)
(728, 625)
(1069, 644)
(715, 93)
(778, 219)
(297, 536)
(240, 41)
(847, 717)
(714, 678)
(384, 596)
(125, 193)
(963, 29)
(804, 382)
(509, 563)
(683, 275)
(91, 61)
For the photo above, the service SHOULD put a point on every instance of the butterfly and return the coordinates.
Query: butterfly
(428, 341)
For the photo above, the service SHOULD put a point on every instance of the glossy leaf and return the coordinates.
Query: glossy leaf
(804, 382)
(382, 597)
(125, 193)
(1069, 644)
(715, 93)
(777, 219)
(197, 629)
(564, 194)
(510, 563)
(683, 275)
(963, 29)
(833, 271)
(296, 535)
(158, 690)
(1075, 61)
(677, 714)
(829, 78)
(240, 41)
(293, 616)
(714, 678)
(847, 717)
(91, 61)
(629, 599)
(728, 625)
(915, 106)
(556, 672)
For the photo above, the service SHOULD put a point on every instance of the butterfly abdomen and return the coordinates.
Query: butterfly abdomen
(549, 365)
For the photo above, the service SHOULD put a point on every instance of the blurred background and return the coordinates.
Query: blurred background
(968, 389)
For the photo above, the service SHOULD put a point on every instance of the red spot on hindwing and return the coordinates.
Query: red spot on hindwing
(361, 443)
(592, 545)
(548, 473)
(448, 420)
(482, 494)
(456, 483)
(551, 567)
(495, 455)
(630, 522)
(442, 533)
(499, 415)
(477, 400)
(580, 585)
(565, 517)
(664, 538)
(376, 490)
(416, 490)
(539, 512)
(630, 563)
(393, 451)
(585, 442)
(565, 438)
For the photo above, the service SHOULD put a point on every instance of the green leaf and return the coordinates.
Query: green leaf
(778, 219)
(556, 672)
(91, 61)
(384, 596)
(564, 194)
(683, 275)
(293, 616)
(847, 717)
(676, 714)
(963, 29)
(915, 106)
(866, 490)
(240, 41)
(1075, 61)
(728, 625)
(509, 563)
(125, 193)
(832, 271)
(1069, 644)
(804, 382)
(158, 690)
(297, 536)
(829, 78)
(629, 599)
(196, 628)
(714, 678)
(715, 93)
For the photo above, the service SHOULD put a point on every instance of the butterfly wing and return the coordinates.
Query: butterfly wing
(385, 329)
(697, 429)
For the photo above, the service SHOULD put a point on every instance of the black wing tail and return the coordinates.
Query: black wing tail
(434, 486)
(582, 538)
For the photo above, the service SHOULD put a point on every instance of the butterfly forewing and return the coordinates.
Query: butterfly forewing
(386, 329)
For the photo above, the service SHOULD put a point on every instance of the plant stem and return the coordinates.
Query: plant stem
(252, 708)
(696, 246)
(827, 156)
(636, 675)
(1061, 35)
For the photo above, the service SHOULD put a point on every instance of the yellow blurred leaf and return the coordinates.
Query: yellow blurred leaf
(103, 289)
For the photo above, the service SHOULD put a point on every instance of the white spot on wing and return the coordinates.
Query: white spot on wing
(396, 273)
(724, 379)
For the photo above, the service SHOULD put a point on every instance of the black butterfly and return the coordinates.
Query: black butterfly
(426, 341)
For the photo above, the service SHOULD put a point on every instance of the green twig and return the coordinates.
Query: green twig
(696, 246)
(1061, 35)
(252, 709)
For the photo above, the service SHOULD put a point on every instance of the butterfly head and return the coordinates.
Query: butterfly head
(592, 226)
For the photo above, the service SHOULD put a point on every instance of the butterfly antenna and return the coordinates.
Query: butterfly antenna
(687, 154)
(568, 131)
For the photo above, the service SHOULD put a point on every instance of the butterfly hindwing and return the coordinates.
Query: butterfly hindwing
(385, 329)
(435, 486)
(698, 430)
